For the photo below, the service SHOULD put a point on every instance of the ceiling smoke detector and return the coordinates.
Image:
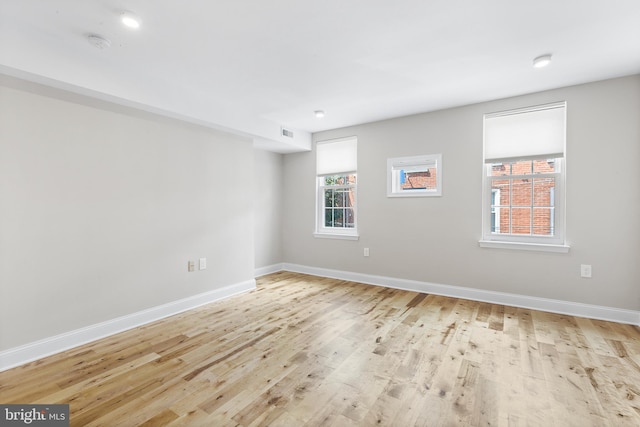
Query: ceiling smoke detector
(99, 41)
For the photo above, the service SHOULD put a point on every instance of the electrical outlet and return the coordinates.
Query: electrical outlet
(191, 266)
(203, 263)
(585, 270)
(366, 251)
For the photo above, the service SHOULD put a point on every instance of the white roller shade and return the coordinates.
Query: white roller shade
(337, 156)
(526, 133)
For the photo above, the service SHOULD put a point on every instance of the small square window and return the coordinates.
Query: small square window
(418, 176)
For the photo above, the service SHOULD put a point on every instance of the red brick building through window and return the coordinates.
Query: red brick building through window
(523, 202)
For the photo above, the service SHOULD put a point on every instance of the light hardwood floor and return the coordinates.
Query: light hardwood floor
(302, 350)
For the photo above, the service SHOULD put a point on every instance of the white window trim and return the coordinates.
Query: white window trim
(554, 243)
(540, 247)
(339, 236)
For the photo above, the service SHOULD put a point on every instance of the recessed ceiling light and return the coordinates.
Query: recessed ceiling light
(542, 61)
(130, 20)
(99, 41)
(319, 113)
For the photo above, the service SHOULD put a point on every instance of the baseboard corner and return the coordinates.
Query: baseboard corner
(17, 356)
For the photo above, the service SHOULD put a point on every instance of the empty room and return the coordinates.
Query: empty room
(344, 213)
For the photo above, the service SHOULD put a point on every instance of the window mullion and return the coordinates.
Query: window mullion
(510, 206)
(531, 216)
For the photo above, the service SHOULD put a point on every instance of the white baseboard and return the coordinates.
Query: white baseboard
(262, 271)
(48, 346)
(26, 353)
(543, 304)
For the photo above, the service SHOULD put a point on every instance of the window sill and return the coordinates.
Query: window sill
(540, 247)
(336, 236)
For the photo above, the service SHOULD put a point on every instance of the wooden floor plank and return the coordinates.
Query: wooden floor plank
(310, 351)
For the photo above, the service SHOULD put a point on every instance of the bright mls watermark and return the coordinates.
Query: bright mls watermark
(34, 415)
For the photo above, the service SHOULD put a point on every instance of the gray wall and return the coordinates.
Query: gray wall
(101, 208)
(268, 201)
(436, 239)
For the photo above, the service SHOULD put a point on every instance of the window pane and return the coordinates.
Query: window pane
(521, 221)
(339, 198)
(543, 191)
(333, 180)
(502, 187)
(418, 180)
(521, 189)
(333, 217)
(544, 166)
(328, 217)
(500, 223)
(413, 180)
(524, 167)
(329, 196)
(543, 221)
(421, 177)
(500, 169)
(350, 218)
(338, 217)
(350, 198)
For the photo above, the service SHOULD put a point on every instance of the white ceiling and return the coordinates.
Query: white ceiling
(254, 66)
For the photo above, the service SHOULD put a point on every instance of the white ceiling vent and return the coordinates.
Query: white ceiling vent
(286, 133)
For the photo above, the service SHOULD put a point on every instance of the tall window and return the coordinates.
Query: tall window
(336, 183)
(524, 174)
